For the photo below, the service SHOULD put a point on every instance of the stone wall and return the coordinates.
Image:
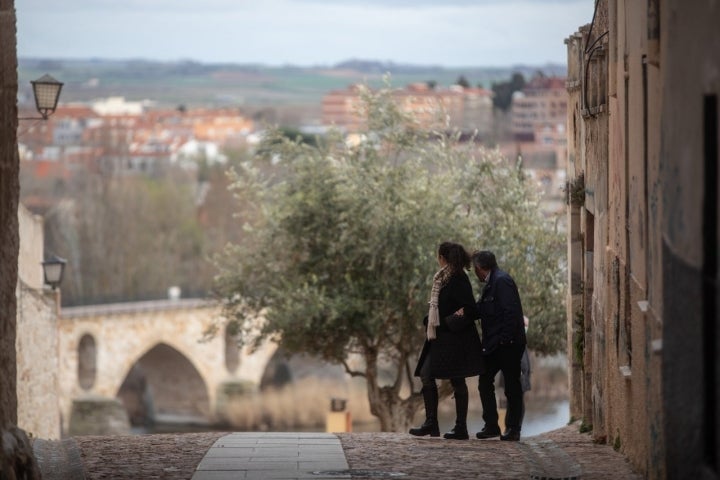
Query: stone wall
(643, 239)
(615, 306)
(31, 248)
(37, 336)
(37, 363)
(98, 416)
(690, 61)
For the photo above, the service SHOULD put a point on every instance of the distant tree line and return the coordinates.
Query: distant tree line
(503, 90)
(131, 237)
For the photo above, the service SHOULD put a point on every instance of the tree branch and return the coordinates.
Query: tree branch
(351, 372)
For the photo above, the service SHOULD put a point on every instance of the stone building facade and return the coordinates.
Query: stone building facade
(466, 109)
(36, 343)
(541, 104)
(642, 176)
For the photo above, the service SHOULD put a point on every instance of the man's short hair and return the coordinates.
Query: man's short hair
(484, 259)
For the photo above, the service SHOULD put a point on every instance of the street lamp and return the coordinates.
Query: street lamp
(47, 92)
(53, 269)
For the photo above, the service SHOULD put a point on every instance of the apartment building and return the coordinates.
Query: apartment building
(477, 110)
(343, 109)
(128, 138)
(466, 109)
(542, 103)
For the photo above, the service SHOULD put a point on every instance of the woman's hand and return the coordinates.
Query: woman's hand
(460, 312)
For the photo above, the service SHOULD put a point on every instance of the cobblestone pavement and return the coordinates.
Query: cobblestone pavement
(562, 453)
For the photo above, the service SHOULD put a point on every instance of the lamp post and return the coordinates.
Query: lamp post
(46, 91)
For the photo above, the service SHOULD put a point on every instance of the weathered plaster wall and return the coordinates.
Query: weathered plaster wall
(614, 234)
(36, 343)
(31, 248)
(690, 66)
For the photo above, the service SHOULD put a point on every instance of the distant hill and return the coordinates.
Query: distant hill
(251, 85)
(374, 66)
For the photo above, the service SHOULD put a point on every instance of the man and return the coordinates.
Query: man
(503, 344)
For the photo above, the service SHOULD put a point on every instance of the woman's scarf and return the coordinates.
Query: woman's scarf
(440, 279)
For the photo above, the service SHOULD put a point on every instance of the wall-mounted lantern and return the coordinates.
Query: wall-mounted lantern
(53, 269)
(47, 93)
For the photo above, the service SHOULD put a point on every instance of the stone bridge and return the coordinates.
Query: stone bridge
(153, 357)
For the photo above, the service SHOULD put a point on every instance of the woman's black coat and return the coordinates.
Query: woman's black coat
(457, 350)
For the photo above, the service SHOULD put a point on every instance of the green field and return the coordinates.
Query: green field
(214, 85)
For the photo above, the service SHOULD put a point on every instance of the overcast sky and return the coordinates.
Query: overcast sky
(303, 32)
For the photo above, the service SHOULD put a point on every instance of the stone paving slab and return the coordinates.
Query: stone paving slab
(274, 456)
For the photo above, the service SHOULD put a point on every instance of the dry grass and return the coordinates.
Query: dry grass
(303, 404)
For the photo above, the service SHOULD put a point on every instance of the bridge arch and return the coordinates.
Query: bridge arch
(139, 351)
(123, 334)
(164, 384)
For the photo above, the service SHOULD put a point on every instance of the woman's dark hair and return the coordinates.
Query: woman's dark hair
(456, 256)
(484, 259)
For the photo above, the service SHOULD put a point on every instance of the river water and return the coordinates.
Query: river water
(540, 416)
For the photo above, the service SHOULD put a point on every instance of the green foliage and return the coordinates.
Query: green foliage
(295, 134)
(575, 191)
(579, 343)
(504, 91)
(585, 427)
(617, 443)
(462, 81)
(341, 238)
(129, 238)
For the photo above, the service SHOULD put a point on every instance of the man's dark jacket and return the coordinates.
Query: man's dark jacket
(501, 314)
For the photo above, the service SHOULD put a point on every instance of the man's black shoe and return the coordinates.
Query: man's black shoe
(457, 433)
(511, 435)
(427, 428)
(488, 432)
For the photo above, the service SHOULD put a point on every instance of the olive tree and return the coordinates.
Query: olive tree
(340, 242)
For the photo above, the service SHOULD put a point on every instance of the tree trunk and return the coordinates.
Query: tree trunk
(395, 413)
(16, 458)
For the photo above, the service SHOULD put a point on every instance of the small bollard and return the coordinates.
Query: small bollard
(338, 419)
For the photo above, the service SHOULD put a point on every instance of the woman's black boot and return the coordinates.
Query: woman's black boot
(430, 426)
(459, 431)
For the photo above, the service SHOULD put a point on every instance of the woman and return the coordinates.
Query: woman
(452, 346)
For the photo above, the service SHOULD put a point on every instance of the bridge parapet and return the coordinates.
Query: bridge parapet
(161, 344)
(109, 309)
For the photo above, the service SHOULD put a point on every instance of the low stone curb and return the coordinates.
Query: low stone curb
(59, 459)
